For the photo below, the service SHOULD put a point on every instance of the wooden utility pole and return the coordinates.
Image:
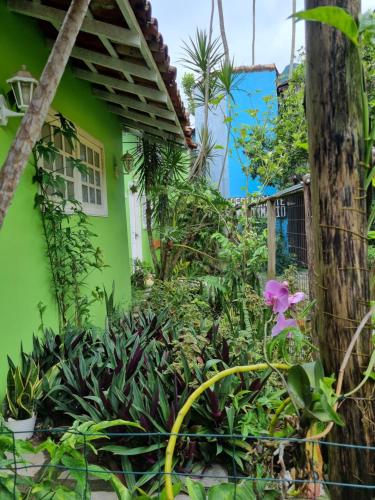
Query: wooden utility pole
(336, 149)
(32, 123)
(293, 46)
(309, 235)
(271, 239)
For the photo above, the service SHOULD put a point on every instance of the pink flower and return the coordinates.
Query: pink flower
(282, 324)
(276, 294)
(296, 297)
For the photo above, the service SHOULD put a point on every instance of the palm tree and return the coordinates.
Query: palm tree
(253, 42)
(222, 31)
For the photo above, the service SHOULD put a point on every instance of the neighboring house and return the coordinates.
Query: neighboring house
(253, 85)
(283, 79)
(117, 79)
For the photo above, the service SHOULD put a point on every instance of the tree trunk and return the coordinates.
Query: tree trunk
(29, 131)
(293, 47)
(222, 30)
(336, 148)
(253, 40)
(150, 236)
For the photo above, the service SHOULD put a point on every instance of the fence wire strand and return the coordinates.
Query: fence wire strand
(282, 479)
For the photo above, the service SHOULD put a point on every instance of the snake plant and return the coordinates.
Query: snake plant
(23, 388)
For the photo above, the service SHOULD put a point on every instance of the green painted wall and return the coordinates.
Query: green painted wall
(24, 272)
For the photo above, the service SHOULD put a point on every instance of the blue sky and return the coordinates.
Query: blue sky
(178, 20)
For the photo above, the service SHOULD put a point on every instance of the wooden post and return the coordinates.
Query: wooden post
(309, 235)
(336, 154)
(271, 239)
(29, 130)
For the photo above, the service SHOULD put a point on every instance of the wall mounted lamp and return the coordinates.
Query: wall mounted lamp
(128, 162)
(23, 85)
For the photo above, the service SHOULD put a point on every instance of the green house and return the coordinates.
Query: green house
(118, 81)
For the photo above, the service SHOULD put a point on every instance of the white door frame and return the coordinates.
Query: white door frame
(135, 225)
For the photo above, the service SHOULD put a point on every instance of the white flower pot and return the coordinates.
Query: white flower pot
(23, 429)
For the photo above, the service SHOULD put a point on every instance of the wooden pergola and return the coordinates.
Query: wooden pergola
(121, 53)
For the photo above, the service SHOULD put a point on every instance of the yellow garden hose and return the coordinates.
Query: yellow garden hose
(189, 402)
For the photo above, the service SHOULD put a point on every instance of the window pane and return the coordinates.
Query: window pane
(68, 167)
(89, 156)
(70, 190)
(82, 152)
(57, 138)
(46, 133)
(91, 175)
(98, 197)
(92, 195)
(97, 177)
(48, 165)
(59, 164)
(67, 147)
(85, 194)
(96, 159)
(60, 186)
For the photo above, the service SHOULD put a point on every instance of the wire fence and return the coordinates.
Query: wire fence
(291, 242)
(292, 463)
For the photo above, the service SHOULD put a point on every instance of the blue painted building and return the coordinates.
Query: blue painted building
(253, 85)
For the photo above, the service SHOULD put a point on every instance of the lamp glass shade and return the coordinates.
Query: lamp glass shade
(23, 85)
(128, 162)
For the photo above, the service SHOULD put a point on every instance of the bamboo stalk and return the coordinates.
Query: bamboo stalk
(189, 402)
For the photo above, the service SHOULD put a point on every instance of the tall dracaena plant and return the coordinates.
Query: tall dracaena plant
(72, 255)
(202, 56)
(158, 167)
(227, 81)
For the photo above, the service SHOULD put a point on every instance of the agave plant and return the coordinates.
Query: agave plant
(24, 388)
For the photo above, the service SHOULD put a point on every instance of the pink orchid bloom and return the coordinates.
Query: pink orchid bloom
(282, 323)
(296, 297)
(276, 294)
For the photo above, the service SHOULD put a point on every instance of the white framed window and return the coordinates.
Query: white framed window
(89, 188)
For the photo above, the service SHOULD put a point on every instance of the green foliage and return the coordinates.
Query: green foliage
(277, 146)
(244, 490)
(72, 255)
(333, 16)
(188, 83)
(201, 55)
(180, 300)
(67, 453)
(23, 388)
(313, 393)
(140, 273)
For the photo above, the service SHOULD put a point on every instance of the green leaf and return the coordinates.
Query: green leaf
(223, 491)
(176, 490)
(299, 387)
(196, 490)
(336, 17)
(121, 491)
(123, 450)
(231, 412)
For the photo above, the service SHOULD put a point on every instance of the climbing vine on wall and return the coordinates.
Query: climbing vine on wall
(68, 236)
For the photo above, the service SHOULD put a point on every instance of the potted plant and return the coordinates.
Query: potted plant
(24, 388)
